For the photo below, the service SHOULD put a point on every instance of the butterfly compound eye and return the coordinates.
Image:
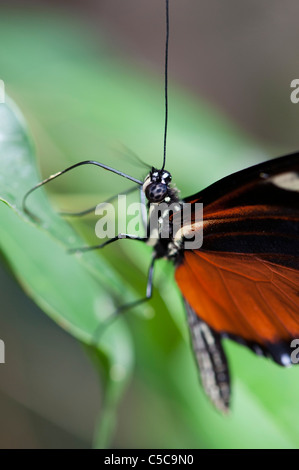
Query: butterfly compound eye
(166, 177)
(156, 192)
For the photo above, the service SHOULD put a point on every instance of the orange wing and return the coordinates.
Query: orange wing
(244, 296)
(243, 283)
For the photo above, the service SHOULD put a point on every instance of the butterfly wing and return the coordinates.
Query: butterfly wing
(211, 360)
(245, 297)
(244, 281)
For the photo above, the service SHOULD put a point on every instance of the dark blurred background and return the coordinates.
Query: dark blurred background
(241, 57)
(238, 57)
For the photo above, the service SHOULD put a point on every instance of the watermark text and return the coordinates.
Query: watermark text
(2, 352)
(295, 93)
(295, 353)
(180, 222)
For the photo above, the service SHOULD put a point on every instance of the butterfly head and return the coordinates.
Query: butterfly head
(156, 185)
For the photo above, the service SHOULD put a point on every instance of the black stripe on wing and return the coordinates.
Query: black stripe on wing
(255, 236)
(254, 210)
(280, 352)
(229, 191)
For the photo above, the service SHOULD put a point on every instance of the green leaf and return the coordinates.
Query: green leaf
(58, 282)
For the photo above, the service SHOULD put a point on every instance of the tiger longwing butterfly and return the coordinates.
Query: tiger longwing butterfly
(243, 283)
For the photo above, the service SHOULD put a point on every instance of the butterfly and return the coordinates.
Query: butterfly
(243, 282)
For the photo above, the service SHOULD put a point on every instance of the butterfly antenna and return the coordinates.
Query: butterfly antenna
(166, 83)
(87, 162)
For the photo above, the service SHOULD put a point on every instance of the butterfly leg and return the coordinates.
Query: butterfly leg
(149, 291)
(111, 240)
(143, 209)
(93, 208)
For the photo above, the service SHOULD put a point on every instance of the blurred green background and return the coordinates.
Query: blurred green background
(88, 77)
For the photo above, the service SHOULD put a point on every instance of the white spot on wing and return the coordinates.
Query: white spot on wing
(285, 360)
(288, 181)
